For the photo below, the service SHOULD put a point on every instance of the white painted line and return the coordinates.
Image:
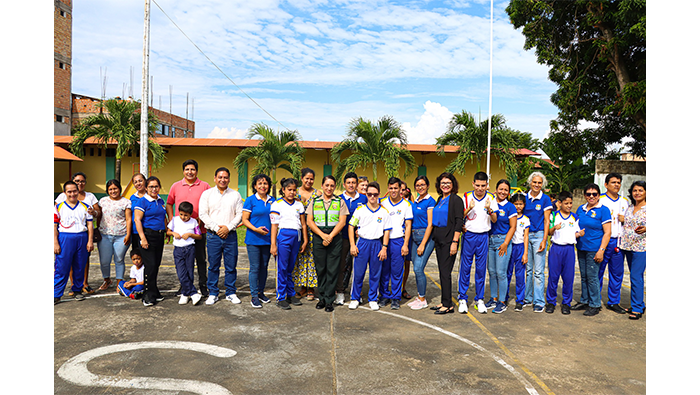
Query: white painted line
(75, 369)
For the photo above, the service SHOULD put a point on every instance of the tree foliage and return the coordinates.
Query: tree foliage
(596, 52)
(569, 170)
(373, 143)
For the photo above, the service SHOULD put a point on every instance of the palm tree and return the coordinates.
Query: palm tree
(472, 139)
(274, 151)
(120, 124)
(370, 144)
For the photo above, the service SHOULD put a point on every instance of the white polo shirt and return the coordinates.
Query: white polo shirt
(178, 226)
(72, 219)
(616, 207)
(398, 214)
(522, 224)
(136, 273)
(286, 215)
(477, 220)
(371, 224)
(569, 226)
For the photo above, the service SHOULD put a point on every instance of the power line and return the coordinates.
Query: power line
(217, 67)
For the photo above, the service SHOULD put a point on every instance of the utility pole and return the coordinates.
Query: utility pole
(144, 89)
(488, 148)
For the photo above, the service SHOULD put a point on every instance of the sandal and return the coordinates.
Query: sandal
(88, 289)
(310, 296)
(635, 316)
(446, 311)
(105, 285)
(405, 295)
(438, 307)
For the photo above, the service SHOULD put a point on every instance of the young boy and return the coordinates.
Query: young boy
(480, 210)
(353, 199)
(185, 230)
(564, 230)
(134, 287)
(373, 227)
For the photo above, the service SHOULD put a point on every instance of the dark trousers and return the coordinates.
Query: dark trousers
(327, 260)
(184, 266)
(152, 256)
(446, 263)
(200, 256)
(345, 267)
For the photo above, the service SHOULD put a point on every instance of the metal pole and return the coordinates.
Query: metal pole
(488, 148)
(144, 89)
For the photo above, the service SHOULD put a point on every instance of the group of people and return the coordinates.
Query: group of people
(324, 242)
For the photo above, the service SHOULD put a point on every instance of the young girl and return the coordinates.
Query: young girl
(304, 273)
(518, 255)
(288, 232)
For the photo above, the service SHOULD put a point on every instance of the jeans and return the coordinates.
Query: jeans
(637, 262)
(218, 248)
(534, 279)
(112, 246)
(259, 257)
(590, 289)
(419, 261)
(498, 267)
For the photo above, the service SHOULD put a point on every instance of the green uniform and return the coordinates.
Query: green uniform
(327, 258)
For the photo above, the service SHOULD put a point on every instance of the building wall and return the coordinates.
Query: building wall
(630, 171)
(62, 39)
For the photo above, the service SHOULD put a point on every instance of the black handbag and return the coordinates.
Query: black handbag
(96, 235)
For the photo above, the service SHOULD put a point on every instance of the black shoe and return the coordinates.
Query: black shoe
(160, 298)
(435, 308)
(616, 308)
(329, 308)
(283, 304)
(518, 307)
(204, 291)
(549, 308)
(395, 304)
(56, 300)
(321, 304)
(294, 301)
(565, 309)
(79, 296)
(384, 301)
(448, 311)
(579, 306)
(591, 311)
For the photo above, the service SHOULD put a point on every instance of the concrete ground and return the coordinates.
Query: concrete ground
(109, 344)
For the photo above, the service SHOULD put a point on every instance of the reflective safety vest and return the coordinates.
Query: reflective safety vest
(326, 217)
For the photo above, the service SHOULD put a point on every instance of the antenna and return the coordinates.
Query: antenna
(193, 117)
(171, 106)
(131, 82)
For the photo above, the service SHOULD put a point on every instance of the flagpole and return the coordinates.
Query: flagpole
(144, 89)
(488, 147)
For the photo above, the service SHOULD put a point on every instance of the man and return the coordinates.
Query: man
(613, 258)
(190, 189)
(480, 210)
(221, 210)
(353, 199)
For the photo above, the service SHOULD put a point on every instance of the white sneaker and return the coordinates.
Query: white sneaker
(233, 298)
(374, 306)
(353, 304)
(211, 300)
(183, 299)
(481, 307)
(196, 298)
(463, 308)
(340, 299)
(418, 304)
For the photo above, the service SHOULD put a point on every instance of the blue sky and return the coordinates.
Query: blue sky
(314, 65)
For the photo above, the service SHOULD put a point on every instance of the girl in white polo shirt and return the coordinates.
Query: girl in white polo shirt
(287, 234)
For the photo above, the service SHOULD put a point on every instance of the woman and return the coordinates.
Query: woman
(406, 194)
(304, 273)
(80, 179)
(139, 182)
(633, 243)
(115, 227)
(151, 220)
(538, 208)
(256, 217)
(499, 247)
(594, 220)
(326, 217)
(422, 244)
(362, 182)
(448, 217)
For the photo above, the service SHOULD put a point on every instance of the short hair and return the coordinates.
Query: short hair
(135, 252)
(328, 177)
(186, 207)
(285, 182)
(518, 197)
(563, 195)
(537, 174)
(374, 185)
(451, 177)
(424, 178)
(306, 171)
(350, 174)
(638, 183)
(481, 176)
(613, 175)
(590, 186)
(394, 180)
(190, 162)
(152, 178)
(220, 169)
(114, 182)
(69, 182)
(259, 177)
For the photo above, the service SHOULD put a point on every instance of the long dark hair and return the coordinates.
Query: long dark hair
(451, 177)
(285, 182)
(638, 183)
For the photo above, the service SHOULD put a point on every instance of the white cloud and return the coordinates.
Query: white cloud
(431, 125)
(225, 133)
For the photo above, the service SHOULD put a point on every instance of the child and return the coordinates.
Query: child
(185, 230)
(373, 226)
(518, 255)
(564, 230)
(288, 229)
(72, 242)
(134, 287)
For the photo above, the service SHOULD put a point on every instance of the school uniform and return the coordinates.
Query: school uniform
(592, 220)
(475, 243)
(136, 274)
(72, 223)
(392, 267)
(515, 264)
(614, 258)
(257, 245)
(497, 264)
(184, 253)
(535, 208)
(562, 257)
(287, 216)
(371, 225)
(420, 210)
(153, 224)
(345, 269)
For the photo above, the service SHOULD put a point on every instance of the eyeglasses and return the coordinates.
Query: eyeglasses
(593, 194)
(153, 187)
(79, 182)
(446, 183)
(372, 194)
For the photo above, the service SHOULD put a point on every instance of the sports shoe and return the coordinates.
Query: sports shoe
(549, 308)
(147, 304)
(463, 308)
(79, 296)
(525, 304)
(500, 307)
(565, 309)
(211, 300)
(160, 298)
(233, 299)
(491, 304)
(283, 304)
(340, 299)
(518, 307)
(395, 304)
(481, 307)
(183, 299)
(383, 302)
(538, 309)
(616, 308)
(56, 300)
(263, 298)
(374, 305)
(353, 304)
(294, 301)
(196, 298)
(120, 292)
(255, 302)
(418, 304)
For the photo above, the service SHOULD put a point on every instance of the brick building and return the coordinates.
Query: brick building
(62, 55)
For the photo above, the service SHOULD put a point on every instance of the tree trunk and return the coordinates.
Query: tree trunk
(118, 170)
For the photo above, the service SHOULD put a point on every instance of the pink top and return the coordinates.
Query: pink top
(181, 191)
